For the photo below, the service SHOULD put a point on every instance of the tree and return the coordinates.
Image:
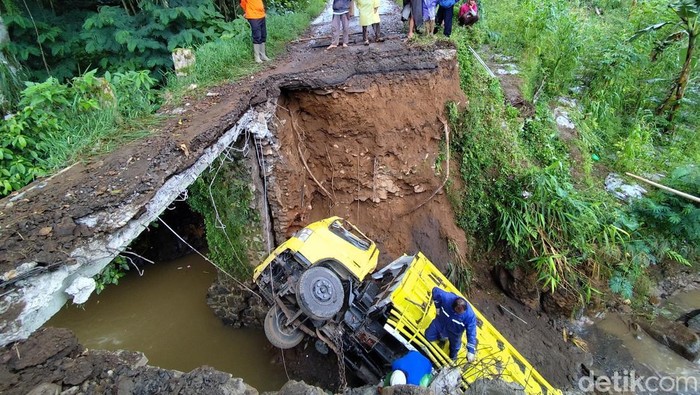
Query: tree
(10, 81)
(688, 26)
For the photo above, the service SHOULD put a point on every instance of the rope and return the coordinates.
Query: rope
(241, 284)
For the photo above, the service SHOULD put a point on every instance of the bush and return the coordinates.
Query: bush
(223, 196)
(57, 123)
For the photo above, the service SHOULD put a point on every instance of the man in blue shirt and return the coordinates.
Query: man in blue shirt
(454, 316)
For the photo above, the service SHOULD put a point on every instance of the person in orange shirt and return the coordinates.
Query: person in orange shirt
(255, 14)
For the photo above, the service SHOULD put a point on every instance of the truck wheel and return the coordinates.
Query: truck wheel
(320, 293)
(277, 333)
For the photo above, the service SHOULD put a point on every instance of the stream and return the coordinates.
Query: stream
(617, 347)
(164, 314)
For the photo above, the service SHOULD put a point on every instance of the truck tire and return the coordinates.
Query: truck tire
(276, 332)
(320, 293)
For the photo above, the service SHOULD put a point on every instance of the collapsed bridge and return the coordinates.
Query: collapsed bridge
(356, 133)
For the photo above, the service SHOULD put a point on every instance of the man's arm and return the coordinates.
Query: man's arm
(470, 325)
(438, 297)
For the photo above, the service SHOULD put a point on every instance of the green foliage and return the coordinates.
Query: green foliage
(223, 197)
(541, 138)
(113, 38)
(478, 140)
(111, 274)
(669, 223)
(554, 227)
(120, 41)
(620, 78)
(57, 123)
(286, 6)
(231, 55)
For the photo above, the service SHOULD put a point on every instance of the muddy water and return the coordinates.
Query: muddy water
(644, 354)
(164, 315)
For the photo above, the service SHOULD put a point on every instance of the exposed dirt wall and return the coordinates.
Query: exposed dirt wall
(374, 146)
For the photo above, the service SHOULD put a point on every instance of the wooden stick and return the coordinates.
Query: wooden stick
(667, 189)
(511, 313)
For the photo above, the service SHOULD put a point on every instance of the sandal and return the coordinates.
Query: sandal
(366, 42)
(331, 47)
(345, 45)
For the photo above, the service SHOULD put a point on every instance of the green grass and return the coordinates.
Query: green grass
(231, 57)
(519, 192)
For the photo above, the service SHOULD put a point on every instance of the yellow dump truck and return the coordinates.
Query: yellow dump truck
(322, 283)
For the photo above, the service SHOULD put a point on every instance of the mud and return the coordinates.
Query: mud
(372, 149)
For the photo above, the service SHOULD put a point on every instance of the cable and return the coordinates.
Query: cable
(241, 284)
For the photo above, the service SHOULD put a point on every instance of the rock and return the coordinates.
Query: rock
(43, 345)
(78, 371)
(519, 285)
(675, 336)
(183, 59)
(236, 386)
(366, 390)
(627, 192)
(494, 387)
(81, 289)
(7, 380)
(299, 388)
(45, 389)
(125, 386)
(406, 390)
(560, 302)
(694, 324)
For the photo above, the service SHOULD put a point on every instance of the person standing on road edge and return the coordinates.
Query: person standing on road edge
(445, 13)
(468, 13)
(429, 9)
(369, 15)
(453, 316)
(255, 14)
(413, 11)
(341, 11)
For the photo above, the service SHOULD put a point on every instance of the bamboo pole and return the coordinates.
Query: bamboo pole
(665, 188)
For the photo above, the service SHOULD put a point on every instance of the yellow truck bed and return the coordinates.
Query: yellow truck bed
(412, 311)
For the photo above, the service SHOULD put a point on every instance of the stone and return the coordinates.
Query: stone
(78, 371)
(236, 386)
(694, 324)
(674, 335)
(519, 285)
(183, 59)
(45, 389)
(561, 302)
(300, 388)
(406, 390)
(125, 386)
(81, 289)
(43, 345)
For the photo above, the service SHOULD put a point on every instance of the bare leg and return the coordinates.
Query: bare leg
(335, 27)
(346, 30)
(411, 26)
(364, 35)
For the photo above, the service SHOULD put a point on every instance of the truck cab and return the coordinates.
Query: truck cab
(322, 284)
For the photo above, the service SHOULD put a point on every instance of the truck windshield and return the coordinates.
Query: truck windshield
(341, 230)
